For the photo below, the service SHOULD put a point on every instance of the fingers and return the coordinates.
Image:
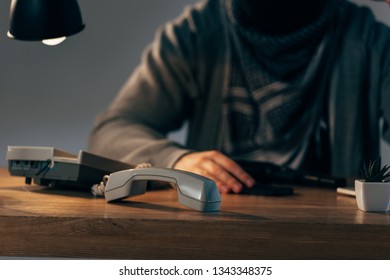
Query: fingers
(225, 180)
(227, 174)
(233, 168)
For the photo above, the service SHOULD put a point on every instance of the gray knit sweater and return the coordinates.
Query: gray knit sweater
(183, 75)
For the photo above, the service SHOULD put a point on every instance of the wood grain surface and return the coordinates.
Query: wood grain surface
(314, 223)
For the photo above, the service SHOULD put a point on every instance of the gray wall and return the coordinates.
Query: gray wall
(49, 96)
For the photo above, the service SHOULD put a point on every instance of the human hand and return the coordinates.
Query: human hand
(226, 173)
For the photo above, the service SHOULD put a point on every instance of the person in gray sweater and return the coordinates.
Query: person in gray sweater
(302, 84)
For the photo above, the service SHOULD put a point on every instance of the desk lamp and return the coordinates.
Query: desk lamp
(49, 21)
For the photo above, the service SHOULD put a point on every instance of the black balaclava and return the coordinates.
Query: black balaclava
(278, 17)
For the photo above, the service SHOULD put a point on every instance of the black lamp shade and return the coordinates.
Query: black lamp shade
(36, 20)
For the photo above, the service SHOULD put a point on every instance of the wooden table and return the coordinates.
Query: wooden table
(312, 224)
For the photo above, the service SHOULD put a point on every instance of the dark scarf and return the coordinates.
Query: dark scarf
(271, 103)
(278, 17)
(283, 55)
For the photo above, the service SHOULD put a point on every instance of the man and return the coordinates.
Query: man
(298, 83)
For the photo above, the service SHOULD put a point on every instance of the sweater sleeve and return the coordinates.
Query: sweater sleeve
(385, 100)
(157, 99)
(384, 76)
(377, 38)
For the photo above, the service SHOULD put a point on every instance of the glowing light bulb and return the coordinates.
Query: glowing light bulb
(10, 35)
(54, 41)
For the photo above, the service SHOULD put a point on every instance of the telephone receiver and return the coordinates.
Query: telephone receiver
(194, 191)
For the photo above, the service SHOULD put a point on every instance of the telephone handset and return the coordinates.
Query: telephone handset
(194, 191)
